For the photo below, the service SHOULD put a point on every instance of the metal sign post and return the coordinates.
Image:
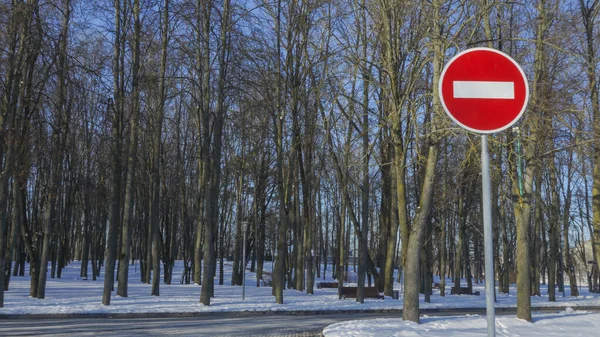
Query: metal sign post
(245, 229)
(487, 237)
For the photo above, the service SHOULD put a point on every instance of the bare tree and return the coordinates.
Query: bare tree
(114, 107)
(589, 14)
(124, 254)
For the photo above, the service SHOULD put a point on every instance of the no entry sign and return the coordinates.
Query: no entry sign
(483, 90)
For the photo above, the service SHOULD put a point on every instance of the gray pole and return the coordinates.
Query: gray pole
(487, 237)
(245, 229)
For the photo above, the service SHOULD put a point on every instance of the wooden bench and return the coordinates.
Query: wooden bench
(267, 282)
(350, 292)
(267, 279)
(463, 291)
(327, 285)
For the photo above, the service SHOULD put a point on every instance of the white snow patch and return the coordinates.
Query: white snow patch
(547, 325)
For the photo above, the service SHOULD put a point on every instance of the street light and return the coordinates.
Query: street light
(245, 229)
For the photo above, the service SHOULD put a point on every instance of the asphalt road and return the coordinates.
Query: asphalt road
(272, 325)
(213, 325)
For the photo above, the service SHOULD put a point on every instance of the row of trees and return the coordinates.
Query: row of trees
(150, 130)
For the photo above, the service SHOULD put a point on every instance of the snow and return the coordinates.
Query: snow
(73, 295)
(569, 322)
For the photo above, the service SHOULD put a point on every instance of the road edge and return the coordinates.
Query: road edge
(423, 312)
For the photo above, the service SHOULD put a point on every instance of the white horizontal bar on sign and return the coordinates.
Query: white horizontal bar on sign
(484, 89)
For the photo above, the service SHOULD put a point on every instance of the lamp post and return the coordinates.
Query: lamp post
(245, 229)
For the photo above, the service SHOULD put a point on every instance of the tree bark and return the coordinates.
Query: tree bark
(553, 234)
(522, 203)
(123, 272)
(365, 187)
(117, 125)
(57, 150)
(157, 137)
(589, 13)
(212, 210)
(410, 311)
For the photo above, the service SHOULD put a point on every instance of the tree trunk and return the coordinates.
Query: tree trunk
(385, 215)
(215, 164)
(589, 13)
(123, 273)
(460, 245)
(553, 232)
(278, 272)
(410, 311)
(364, 248)
(535, 237)
(158, 122)
(392, 240)
(522, 216)
(522, 203)
(567, 249)
(57, 150)
(117, 126)
(261, 209)
(236, 274)
(443, 224)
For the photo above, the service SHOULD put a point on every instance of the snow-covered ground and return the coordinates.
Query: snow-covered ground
(73, 295)
(568, 323)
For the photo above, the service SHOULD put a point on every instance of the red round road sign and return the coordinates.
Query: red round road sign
(483, 90)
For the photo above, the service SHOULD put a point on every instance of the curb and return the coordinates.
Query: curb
(228, 314)
(231, 314)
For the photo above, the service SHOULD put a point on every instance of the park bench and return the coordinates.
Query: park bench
(267, 282)
(267, 279)
(463, 291)
(350, 292)
(321, 285)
